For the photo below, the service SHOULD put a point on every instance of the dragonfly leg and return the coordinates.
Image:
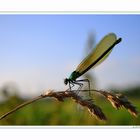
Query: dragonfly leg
(80, 86)
(71, 85)
(86, 80)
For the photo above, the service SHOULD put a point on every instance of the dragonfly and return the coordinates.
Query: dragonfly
(95, 57)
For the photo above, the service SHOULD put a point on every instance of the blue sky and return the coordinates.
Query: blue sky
(38, 51)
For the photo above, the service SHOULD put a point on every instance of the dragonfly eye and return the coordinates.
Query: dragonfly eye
(66, 81)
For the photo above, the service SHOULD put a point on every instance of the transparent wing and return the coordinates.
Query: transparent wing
(103, 45)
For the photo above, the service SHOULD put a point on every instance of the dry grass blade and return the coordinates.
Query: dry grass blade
(96, 111)
(119, 100)
(92, 108)
(112, 99)
(60, 96)
(127, 104)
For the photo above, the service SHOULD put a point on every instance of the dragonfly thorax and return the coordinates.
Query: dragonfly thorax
(74, 75)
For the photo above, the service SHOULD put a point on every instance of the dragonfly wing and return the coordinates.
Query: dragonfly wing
(103, 45)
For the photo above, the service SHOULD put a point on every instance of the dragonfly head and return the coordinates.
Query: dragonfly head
(66, 80)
